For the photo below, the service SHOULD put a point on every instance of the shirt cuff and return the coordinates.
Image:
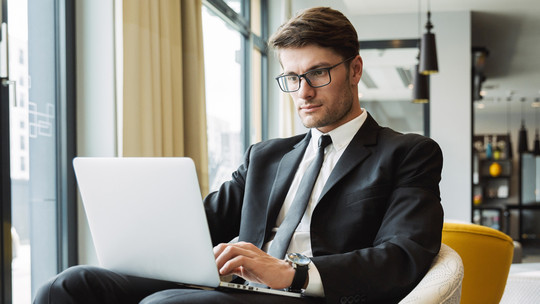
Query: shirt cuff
(315, 287)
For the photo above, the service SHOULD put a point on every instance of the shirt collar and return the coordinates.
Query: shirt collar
(342, 135)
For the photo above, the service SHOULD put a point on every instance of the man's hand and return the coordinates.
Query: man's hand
(251, 263)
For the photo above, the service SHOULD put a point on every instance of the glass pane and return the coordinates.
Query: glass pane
(33, 144)
(20, 154)
(528, 180)
(236, 5)
(537, 179)
(223, 73)
(385, 88)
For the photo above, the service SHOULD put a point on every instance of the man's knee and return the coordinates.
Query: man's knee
(72, 281)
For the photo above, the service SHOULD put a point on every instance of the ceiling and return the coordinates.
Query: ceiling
(509, 29)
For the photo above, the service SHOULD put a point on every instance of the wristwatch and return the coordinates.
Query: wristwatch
(300, 263)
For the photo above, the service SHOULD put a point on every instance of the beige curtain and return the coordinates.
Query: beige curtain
(286, 103)
(164, 111)
(287, 113)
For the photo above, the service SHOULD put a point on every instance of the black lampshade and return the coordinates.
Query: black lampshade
(508, 148)
(523, 145)
(428, 51)
(420, 87)
(509, 151)
(479, 55)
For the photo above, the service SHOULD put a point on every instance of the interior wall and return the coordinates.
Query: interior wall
(451, 111)
(96, 105)
(451, 107)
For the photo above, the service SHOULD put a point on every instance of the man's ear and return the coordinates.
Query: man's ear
(356, 69)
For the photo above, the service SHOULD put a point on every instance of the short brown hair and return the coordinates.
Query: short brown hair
(320, 26)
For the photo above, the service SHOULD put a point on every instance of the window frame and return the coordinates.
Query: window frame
(241, 23)
(66, 134)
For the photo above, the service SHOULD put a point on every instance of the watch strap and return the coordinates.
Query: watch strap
(300, 277)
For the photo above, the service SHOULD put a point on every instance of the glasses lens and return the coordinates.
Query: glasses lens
(318, 77)
(289, 83)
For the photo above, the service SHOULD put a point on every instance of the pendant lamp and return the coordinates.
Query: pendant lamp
(479, 55)
(523, 145)
(428, 49)
(420, 81)
(420, 86)
(508, 148)
(522, 140)
(536, 150)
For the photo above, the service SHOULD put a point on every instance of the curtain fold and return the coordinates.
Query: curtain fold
(286, 119)
(286, 104)
(164, 113)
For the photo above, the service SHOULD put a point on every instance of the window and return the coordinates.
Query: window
(386, 85)
(38, 190)
(21, 56)
(235, 67)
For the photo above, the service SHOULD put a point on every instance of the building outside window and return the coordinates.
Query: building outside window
(235, 62)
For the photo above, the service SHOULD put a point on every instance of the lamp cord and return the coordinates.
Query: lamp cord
(419, 19)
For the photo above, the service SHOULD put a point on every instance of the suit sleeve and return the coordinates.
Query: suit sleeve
(408, 239)
(223, 207)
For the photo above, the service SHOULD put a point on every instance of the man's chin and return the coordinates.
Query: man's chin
(309, 123)
(312, 125)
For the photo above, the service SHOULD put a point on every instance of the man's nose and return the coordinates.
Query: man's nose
(306, 91)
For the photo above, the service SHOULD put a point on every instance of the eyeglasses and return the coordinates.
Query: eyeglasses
(316, 78)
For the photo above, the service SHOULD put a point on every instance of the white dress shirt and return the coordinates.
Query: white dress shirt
(301, 241)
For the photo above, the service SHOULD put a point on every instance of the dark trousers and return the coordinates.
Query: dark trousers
(88, 284)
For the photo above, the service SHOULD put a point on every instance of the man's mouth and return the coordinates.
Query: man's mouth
(309, 108)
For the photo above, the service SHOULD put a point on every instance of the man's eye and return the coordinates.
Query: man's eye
(317, 73)
(292, 78)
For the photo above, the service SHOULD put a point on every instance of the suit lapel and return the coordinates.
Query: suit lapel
(355, 153)
(284, 176)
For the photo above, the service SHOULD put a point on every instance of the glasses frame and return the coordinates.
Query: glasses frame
(307, 80)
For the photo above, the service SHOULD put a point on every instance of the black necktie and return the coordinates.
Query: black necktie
(285, 231)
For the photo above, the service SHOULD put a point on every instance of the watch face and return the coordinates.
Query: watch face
(298, 258)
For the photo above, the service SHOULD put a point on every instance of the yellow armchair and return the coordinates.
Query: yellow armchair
(486, 254)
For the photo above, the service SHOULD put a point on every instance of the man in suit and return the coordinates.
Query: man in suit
(373, 220)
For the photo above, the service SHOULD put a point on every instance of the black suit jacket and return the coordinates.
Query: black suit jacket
(377, 226)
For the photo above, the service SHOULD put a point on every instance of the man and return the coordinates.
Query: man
(373, 219)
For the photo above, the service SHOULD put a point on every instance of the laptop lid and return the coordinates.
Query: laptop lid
(147, 218)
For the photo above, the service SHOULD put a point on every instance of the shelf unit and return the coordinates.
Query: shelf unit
(495, 186)
(492, 178)
(492, 190)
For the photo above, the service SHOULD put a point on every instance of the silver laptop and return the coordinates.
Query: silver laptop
(147, 219)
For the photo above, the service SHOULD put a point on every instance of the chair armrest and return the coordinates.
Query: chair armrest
(442, 283)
